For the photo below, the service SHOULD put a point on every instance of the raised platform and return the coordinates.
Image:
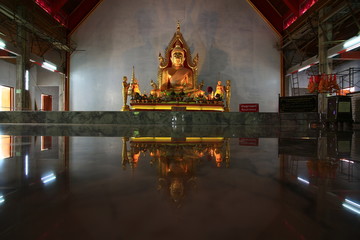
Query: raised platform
(177, 106)
(164, 118)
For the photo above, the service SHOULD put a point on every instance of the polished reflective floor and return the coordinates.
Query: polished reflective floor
(292, 185)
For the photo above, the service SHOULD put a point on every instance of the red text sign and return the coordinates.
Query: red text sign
(249, 107)
(249, 141)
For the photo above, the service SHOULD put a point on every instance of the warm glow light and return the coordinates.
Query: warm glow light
(48, 178)
(345, 160)
(204, 139)
(306, 6)
(303, 8)
(303, 180)
(47, 8)
(168, 139)
(168, 107)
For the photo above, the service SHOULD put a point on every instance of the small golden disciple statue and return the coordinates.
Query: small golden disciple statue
(155, 91)
(126, 86)
(228, 95)
(219, 90)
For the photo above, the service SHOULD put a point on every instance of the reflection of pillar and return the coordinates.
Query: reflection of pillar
(322, 182)
(22, 94)
(63, 146)
(22, 152)
(324, 35)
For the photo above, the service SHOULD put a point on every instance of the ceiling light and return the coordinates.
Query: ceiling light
(49, 66)
(2, 44)
(352, 41)
(353, 47)
(304, 68)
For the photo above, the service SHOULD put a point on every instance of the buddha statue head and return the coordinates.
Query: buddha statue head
(177, 56)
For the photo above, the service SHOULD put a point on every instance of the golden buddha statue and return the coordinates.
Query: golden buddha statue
(177, 70)
(177, 77)
(177, 81)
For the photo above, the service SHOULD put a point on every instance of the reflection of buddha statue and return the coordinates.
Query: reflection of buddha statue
(177, 77)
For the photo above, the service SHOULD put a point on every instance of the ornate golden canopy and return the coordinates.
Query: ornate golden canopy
(190, 63)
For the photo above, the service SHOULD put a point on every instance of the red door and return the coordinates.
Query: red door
(46, 102)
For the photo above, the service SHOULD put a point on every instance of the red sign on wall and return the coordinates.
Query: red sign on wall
(249, 141)
(249, 107)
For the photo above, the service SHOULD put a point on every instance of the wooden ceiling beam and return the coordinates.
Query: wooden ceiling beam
(293, 5)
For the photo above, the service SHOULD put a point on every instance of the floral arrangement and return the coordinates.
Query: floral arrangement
(172, 96)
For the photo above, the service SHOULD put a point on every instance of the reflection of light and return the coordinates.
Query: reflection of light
(26, 165)
(48, 178)
(351, 208)
(2, 199)
(303, 180)
(345, 160)
(352, 203)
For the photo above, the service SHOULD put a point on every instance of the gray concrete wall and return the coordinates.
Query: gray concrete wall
(230, 37)
(53, 91)
(7, 74)
(41, 81)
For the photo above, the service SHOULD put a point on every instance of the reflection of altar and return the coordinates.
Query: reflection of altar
(176, 159)
(177, 85)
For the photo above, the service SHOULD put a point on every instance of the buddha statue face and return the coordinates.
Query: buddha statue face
(177, 56)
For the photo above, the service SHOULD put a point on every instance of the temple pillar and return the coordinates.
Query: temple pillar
(325, 64)
(22, 93)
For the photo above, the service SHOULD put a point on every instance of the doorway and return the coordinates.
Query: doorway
(46, 102)
(6, 98)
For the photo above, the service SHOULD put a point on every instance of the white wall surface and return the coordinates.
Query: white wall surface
(7, 74)
(230, 37)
